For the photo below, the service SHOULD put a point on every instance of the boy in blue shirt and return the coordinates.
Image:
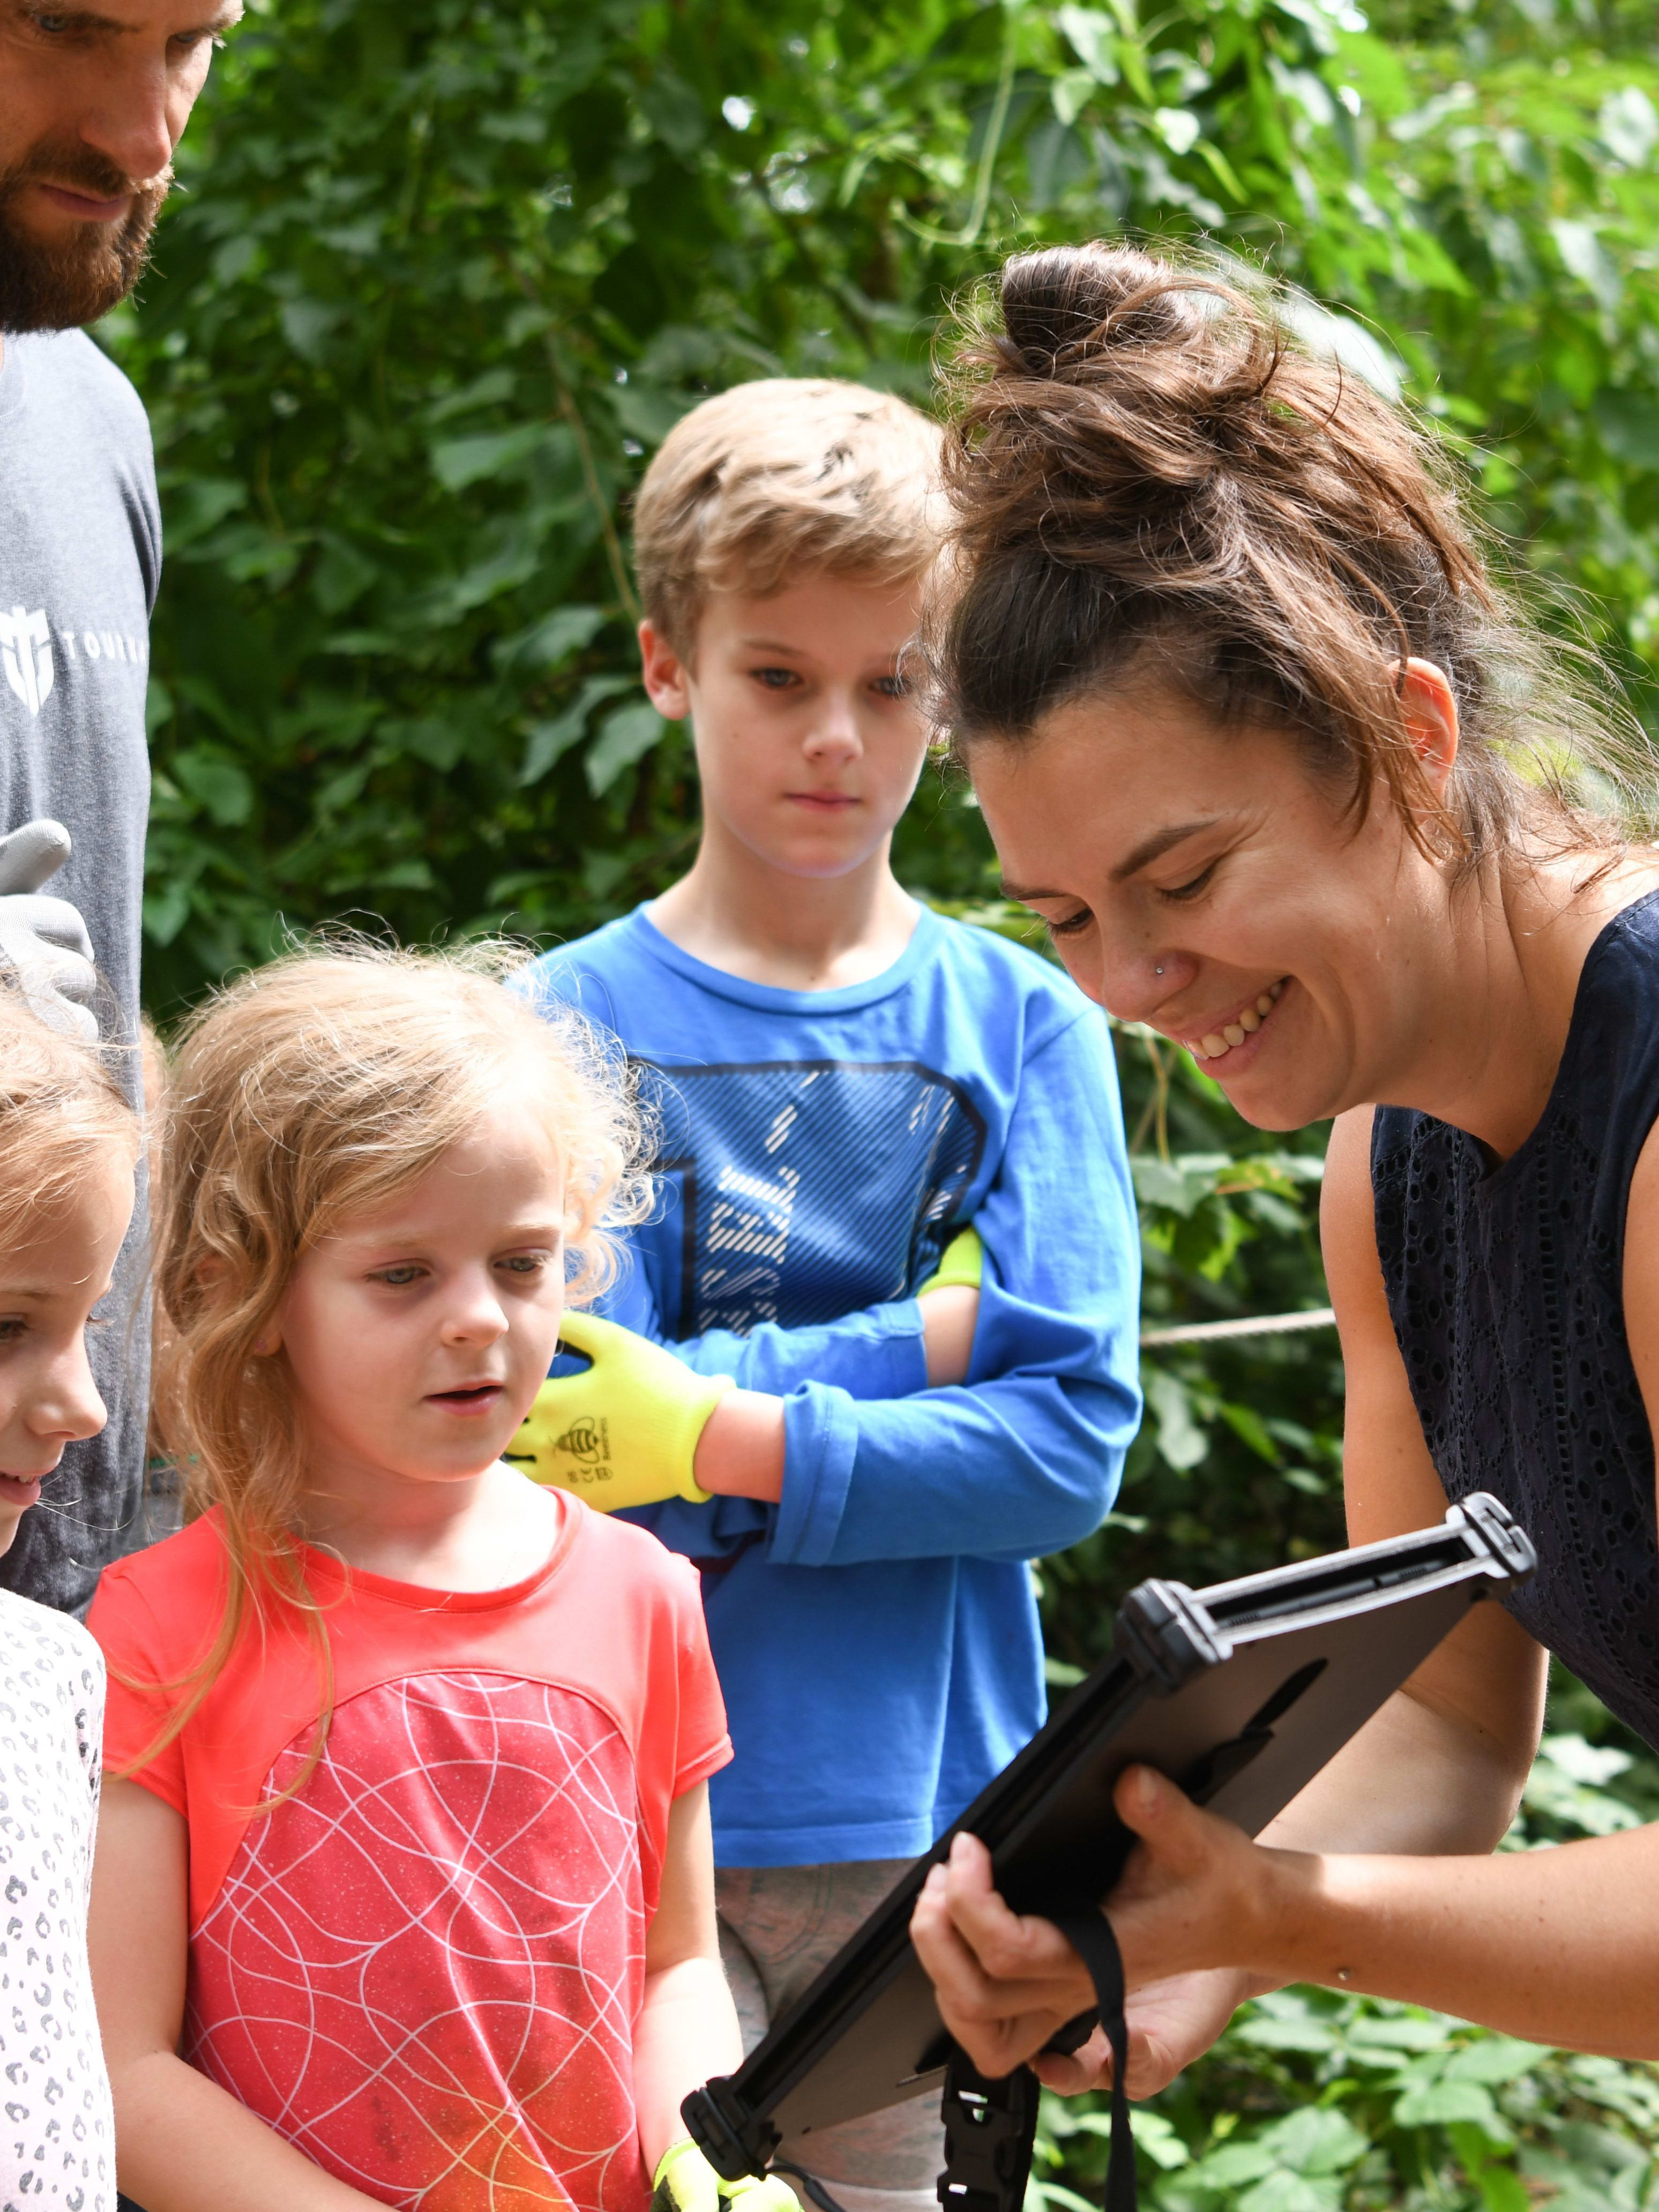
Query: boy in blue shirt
(840, 1082)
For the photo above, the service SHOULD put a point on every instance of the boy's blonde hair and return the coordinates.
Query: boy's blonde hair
(61, 1110)
(777, 478)
(311, 1090)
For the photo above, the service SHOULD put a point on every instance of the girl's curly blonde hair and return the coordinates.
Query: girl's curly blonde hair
(312, 1089)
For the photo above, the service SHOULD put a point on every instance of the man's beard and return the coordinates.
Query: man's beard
(63, 285)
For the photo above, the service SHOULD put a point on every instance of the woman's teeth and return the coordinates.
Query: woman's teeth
(1214, 1043)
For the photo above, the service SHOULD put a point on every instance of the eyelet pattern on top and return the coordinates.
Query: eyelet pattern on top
(1505, 1285)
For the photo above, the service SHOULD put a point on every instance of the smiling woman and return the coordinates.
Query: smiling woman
(1261, 738)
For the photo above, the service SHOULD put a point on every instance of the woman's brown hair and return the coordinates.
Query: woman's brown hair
(1155, 479)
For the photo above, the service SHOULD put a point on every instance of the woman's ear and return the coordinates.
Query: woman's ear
(1430, 707)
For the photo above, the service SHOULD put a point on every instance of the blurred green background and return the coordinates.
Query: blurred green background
(439, 277)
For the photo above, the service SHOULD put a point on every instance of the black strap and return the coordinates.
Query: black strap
(1089, 1935)
(815, 2188)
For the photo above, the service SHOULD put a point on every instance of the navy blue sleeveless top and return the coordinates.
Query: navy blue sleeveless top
(1505, 1285)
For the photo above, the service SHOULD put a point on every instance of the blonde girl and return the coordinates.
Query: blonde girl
(406, 1895)
(68, 1145)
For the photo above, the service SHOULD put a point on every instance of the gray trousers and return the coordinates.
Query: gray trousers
(779, 1926)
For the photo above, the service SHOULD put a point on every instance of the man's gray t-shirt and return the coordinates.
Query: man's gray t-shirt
(80, 560)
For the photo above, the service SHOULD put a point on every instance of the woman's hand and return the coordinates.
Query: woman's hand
(1171, 2024)
(1005, 1981)
(1192, 1914)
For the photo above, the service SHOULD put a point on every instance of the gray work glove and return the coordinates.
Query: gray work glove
(43, 946)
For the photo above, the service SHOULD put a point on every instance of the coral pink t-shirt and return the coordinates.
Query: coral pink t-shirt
(426, 1968)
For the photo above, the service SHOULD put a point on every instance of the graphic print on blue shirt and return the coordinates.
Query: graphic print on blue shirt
(856, 1166)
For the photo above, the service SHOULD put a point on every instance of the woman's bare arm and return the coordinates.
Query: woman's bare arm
(183, 2144)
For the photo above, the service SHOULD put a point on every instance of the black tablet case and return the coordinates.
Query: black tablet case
(1242, 1693)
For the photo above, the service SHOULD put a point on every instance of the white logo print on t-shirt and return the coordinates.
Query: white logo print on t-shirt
(31, 661)
(26, 655)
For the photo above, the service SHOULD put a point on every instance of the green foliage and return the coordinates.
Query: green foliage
(439, 280)
(1314, 2102)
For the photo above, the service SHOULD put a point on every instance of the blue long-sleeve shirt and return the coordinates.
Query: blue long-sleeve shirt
(876, 1632)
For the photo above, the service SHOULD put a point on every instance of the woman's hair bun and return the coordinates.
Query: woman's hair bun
(1062, 303)
(1162, 468)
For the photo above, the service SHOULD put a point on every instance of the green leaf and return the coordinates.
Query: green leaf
(166, 913)
(198, 506)
(548, 643)
(1159, 1183)
(222, 787)
(1434, 2104)
(1579, 244)
(1229, 2167)
(1181, 1443)
(1629, 124)
(307, 325)
(1317, 2140)
(1156, 2138)
(342, 576)
(675, 113)
(1310, 2034)
(1629, 425)
(1057, 157)
(649, 411)
(1494, 2059)
(1094, 41)
(1291, 2192)
(1402, 2031)
(625, 734)
(551, 738)
(1248, 1427)
(458, 462)
(1502, 2190)
(430, 737)
(1178, 127)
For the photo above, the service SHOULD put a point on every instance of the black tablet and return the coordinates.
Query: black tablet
(1240, 1693)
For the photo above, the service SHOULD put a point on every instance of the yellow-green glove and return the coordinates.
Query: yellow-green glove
(685, 2182)
(625, 1430)
(962, 1261)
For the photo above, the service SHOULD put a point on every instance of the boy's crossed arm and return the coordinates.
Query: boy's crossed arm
(641, 1424)
(1023, 1461)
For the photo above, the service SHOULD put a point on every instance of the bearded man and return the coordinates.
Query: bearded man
(93, 102)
